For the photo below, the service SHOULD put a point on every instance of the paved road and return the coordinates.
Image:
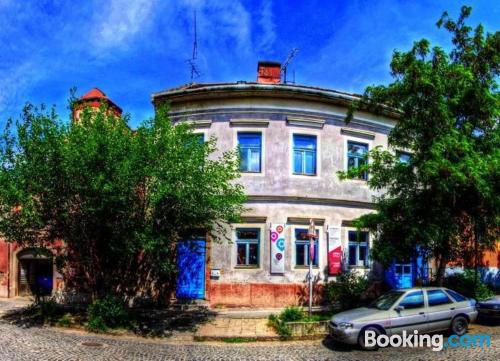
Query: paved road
(38, 343)
(35, 343)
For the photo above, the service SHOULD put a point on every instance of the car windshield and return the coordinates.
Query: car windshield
(385, 301)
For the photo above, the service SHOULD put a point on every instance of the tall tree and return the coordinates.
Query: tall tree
(118, 199)
(448, 109)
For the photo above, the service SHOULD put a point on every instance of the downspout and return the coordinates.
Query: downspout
(9, 275)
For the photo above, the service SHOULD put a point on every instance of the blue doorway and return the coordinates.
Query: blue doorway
(403, 273)
(191, 269)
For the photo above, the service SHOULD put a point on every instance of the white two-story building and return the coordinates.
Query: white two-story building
(293, 140)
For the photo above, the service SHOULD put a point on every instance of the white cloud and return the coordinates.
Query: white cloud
(267, 35)
(121, 20)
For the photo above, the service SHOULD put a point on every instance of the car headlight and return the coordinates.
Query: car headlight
(345, 325)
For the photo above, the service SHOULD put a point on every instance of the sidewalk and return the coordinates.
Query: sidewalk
(231, 329)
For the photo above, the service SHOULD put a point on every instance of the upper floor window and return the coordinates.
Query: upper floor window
(302, 254)
(403, 157)
(247, 246)
(304, 154)
(358, 248)
(356, 156)
(250, 147)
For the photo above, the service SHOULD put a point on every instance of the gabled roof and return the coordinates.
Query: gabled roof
(93, 94)
(98, 94)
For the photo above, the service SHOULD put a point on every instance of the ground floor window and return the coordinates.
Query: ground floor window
(247, 246)
(302, 248)
(358, 248)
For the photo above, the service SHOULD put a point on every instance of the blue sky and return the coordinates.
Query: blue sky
(132, 48)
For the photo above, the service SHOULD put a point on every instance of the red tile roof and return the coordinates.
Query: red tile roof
(94, 93)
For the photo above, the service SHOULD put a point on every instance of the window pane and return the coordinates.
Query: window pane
(437, 297)
(357, 149)
(456, 296)
(363, 255)
(407, 270)
(241, 250)
(297, 162)
(355, 236)
(310, 163)
(255, 161)
(399, 269)
(247, 234)
(300, 259)
(352, 255)
(413, 300)
(404, 157)
(304, 142)
(244, 161)
(253, 254)
(252, 140)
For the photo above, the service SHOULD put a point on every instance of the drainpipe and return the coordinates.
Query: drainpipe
(8, 270)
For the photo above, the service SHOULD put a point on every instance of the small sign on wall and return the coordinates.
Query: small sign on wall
(334, 251)
(277, 238)
(215, 274)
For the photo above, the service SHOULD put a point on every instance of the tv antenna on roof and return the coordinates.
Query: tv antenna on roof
(192, 62)
(287, 62)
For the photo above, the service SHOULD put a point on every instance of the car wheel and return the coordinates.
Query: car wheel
(459, 325)
(361, 339)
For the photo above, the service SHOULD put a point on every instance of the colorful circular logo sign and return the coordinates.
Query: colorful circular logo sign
(274, 236)
(279, 229)
(279, 256)
(281, 244)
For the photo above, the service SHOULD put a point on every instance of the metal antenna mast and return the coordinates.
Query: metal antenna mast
(192, 62)
(287, 62)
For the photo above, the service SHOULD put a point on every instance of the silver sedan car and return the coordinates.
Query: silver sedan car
(423, 309)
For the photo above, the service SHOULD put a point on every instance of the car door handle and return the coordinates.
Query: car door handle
(452, 308)
(421, 313)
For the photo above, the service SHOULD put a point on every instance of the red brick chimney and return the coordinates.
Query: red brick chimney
(268, 72)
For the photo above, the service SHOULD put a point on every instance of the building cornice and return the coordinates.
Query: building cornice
(309, 200)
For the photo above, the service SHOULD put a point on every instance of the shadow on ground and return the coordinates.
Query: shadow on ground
(146, 322)
(329, 343)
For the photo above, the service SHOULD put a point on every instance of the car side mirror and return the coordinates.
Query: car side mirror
(399, 308)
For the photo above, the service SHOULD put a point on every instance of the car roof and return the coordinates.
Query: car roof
(420, 288)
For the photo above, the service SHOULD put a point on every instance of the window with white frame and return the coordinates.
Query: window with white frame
(356, 156)
(358, 248)
(247, 247)
(250, 148)
(403, 157)
(302, 255)
(304, 154)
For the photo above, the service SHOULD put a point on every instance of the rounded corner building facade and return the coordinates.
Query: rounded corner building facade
(292, 141)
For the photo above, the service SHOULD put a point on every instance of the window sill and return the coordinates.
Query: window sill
(246, 267)
(305, 175)
(305, 267)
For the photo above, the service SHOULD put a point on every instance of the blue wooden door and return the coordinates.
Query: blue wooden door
(403, 273)
(191, 269)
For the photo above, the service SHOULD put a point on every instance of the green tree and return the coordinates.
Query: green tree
(118, 199)
(447, 105)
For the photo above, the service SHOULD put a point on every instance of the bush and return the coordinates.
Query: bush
(466, 284)
(97, 324)
(345, 293)
(280, 327)
(65, 320)
(291, 314)
(107, 312)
